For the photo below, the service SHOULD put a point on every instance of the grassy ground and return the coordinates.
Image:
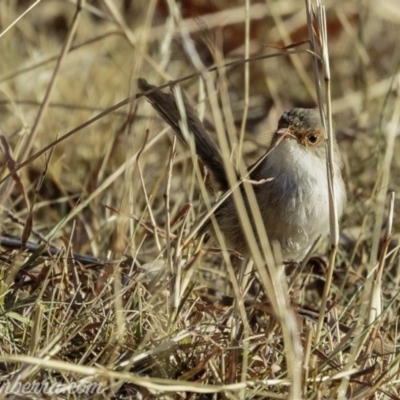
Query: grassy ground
(152, 314)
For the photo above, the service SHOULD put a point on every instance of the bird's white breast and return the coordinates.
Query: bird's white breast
(296, 209)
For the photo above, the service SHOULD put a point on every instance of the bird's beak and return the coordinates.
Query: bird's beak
(285, 133)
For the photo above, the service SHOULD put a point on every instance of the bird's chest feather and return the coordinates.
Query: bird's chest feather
(298, 195)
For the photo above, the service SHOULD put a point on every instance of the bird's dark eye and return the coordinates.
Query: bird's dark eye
(313, 138)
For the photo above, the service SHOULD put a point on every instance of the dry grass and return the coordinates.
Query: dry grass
(152, 314)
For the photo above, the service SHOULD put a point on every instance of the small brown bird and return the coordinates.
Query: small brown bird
(293, 195)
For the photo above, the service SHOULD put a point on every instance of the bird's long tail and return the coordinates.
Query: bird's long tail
(166, 106)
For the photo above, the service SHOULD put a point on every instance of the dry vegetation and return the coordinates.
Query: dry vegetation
(150, 315)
